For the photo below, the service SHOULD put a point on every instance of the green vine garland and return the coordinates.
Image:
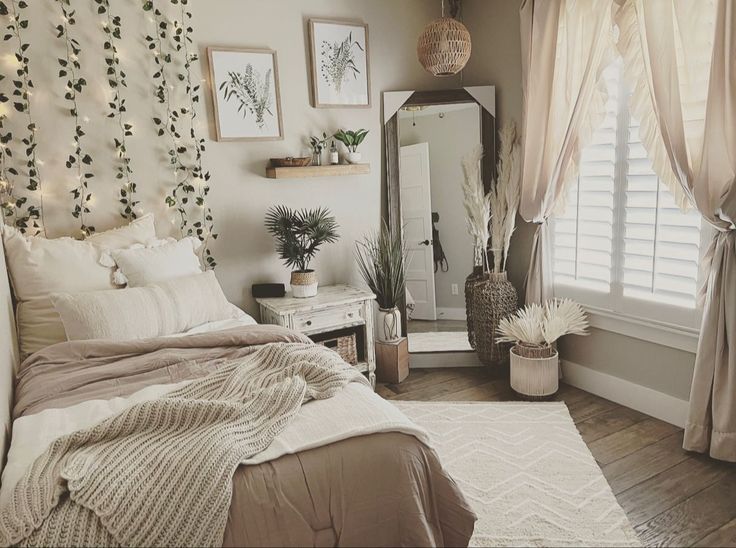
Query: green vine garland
(12, 205)
(182, 38)
(79, 160)
(185, 160)
(111, 26)
(167, 125)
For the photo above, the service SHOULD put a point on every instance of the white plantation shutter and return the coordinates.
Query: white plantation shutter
(621, 243)
(661, 243)
(583, 234)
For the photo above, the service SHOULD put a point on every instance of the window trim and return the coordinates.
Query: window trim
(645, 329)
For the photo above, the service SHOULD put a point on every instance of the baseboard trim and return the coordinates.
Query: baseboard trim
(450, 313)
(428, 360)
(641, 398)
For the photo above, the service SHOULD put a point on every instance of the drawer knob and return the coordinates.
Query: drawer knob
(350, 314)
(309, 322)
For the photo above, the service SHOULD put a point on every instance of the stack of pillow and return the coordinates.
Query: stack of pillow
(68, 289)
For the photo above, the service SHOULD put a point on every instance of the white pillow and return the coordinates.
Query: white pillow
(162, 309)
(141, 265)
(39, 267)
(138, 231)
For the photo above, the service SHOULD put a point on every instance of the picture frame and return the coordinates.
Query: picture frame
(246, 99)
(339, 80)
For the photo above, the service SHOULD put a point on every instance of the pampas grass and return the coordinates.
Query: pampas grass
(477, 204)
(492, 216)
(505, 196)
(543, 325)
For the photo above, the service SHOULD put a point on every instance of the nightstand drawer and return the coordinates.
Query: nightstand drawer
(327, 319)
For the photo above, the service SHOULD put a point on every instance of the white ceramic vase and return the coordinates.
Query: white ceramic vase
(354, 157)
(304, 284)
(388, 328)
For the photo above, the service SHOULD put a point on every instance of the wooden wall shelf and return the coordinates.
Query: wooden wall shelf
(317, 171)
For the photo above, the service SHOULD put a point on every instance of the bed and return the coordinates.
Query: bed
(331, 477)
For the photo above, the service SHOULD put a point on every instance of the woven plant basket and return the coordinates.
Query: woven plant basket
(304, 284)
(534, 370)
(444, 47)
(493, 298)
(470, 281)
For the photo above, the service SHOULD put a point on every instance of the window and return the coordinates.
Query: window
(622, 245)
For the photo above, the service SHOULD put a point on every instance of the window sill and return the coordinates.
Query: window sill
(672, 336)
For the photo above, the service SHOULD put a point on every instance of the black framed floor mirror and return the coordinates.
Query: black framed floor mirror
(427, 135)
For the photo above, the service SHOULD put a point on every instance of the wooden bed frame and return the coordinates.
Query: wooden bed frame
(8, 356)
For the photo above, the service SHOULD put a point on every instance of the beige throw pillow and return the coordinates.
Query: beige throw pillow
(39, 267)
(162, 309)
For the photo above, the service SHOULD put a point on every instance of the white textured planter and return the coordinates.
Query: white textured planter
(304, 284)
(534, 377)
(355, 157)
(388, 325)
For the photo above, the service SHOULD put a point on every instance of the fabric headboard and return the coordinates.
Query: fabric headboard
(8, 356)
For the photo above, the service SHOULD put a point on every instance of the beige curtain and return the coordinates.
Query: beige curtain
(681, 58)
(566, 44)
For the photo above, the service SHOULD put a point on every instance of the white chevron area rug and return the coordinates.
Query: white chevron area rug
(527, 473)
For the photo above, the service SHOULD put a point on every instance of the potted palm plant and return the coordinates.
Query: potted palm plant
(352, 140)
(534, 331)
(299, 235)
(381, 258)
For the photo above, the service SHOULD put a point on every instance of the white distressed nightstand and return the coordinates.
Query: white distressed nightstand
(335, 307)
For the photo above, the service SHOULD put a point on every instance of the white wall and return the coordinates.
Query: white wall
(449, 138)
(240, 194)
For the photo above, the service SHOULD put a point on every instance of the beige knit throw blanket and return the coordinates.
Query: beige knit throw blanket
(160, 473)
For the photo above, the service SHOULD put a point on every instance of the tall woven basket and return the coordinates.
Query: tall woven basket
(474, 277)
(493, 299)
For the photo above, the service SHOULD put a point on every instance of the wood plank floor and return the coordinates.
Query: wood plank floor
(672, 497)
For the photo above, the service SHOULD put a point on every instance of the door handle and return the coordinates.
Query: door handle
(425, 242)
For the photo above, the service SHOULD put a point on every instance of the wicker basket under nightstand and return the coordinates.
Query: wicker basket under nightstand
(345, 345)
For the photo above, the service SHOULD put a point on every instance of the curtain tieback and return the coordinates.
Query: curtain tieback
(720, 237)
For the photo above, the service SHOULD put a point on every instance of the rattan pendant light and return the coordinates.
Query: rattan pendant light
(444, 46)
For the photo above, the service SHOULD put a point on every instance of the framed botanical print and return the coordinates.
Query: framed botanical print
(245, 94)
(340, 64)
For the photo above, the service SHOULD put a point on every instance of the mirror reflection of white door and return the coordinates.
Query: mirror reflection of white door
(416, 213)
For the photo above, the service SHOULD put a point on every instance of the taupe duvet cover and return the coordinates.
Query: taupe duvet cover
(384, 489)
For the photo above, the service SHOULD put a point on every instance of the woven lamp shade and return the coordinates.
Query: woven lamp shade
(444, 47)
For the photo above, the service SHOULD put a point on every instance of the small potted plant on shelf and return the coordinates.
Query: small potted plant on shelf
(534, 330)
(299, 235)
(318, 145)
(352, 140)
(381, 258)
